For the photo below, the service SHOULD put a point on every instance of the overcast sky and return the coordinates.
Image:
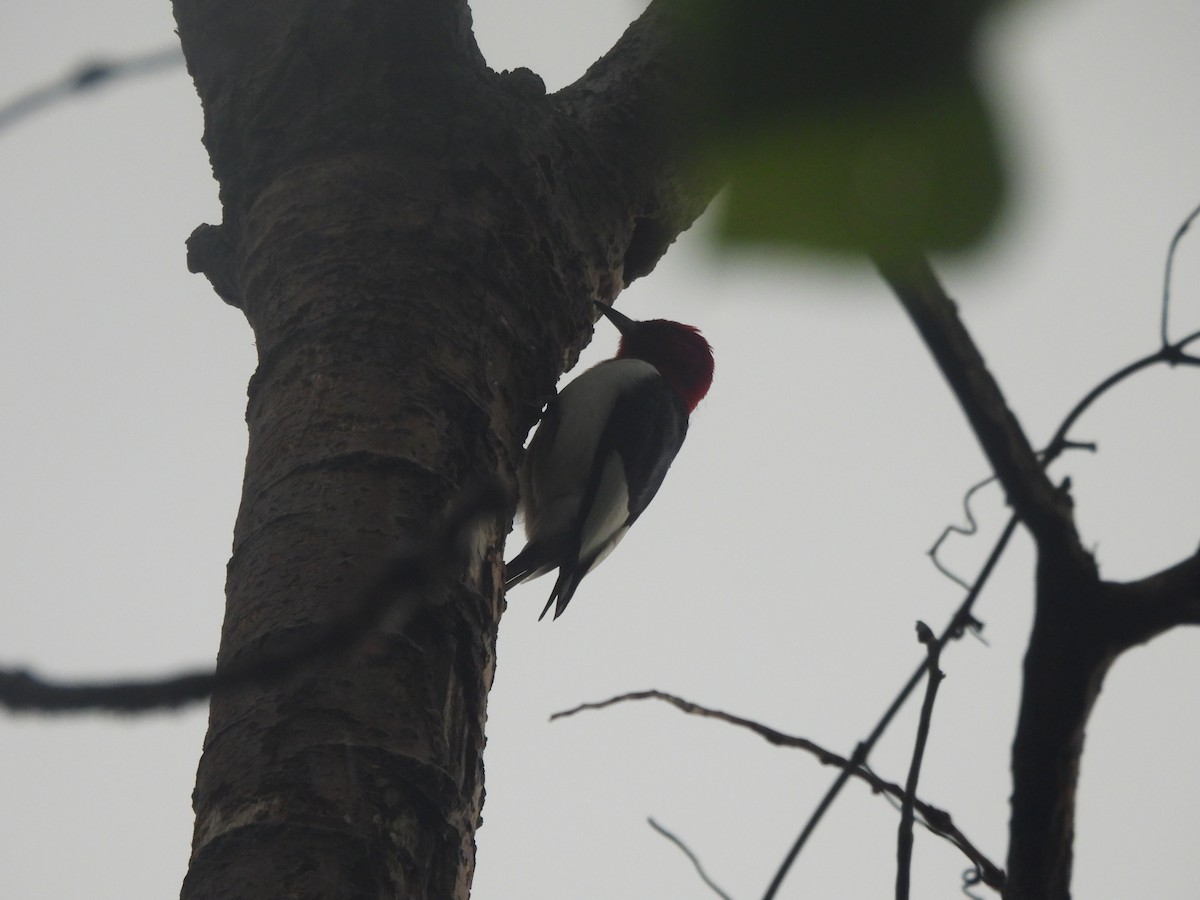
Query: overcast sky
(778, 573)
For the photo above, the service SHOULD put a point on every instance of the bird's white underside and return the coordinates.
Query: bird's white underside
(584, 407)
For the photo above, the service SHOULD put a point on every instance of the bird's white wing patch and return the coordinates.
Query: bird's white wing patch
(605, 524)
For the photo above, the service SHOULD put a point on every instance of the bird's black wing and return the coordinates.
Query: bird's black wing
(646, 429)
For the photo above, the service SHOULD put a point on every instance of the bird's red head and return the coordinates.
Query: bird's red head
(678, 351)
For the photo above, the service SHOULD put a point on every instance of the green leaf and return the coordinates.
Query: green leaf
(919, 168)
(845, 124)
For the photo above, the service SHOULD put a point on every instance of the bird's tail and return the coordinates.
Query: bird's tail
(564, 589)
(535, 559)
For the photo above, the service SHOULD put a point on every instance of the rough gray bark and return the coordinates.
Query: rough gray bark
(413, 239)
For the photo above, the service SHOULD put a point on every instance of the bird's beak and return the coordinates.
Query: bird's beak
(623, 323)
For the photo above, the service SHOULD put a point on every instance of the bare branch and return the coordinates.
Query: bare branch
(392, 594)
(937, 820)
(692, 856)
(1044, 510)
(905, 838)
(1059, 442)
(86, 77)
(778, 738)
(1080, 627)
(961, 619)
(1166, 298)
(1141, 610)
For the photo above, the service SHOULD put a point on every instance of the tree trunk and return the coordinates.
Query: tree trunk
(413, 239)
(1069, 653)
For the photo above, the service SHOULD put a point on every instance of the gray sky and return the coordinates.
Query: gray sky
(778, 573)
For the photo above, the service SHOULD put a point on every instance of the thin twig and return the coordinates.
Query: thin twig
(1166, 297)
(937, 820)
(86, 77)
(778, 738)
(905, 838)
(1171, 354)
(692, 856)
(958, 622)
(403, 577)
(1043, 510)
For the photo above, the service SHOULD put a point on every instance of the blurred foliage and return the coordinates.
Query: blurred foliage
(846, 124)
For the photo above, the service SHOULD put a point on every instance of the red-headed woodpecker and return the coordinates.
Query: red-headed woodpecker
(603, 447)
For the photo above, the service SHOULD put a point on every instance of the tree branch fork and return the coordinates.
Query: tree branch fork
(1134, 612)
(1082, 623)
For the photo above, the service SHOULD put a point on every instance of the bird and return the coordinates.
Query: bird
(602, 449)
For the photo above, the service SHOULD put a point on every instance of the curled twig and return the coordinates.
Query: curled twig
(970, 878)
(972, 526)
(968, 530)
